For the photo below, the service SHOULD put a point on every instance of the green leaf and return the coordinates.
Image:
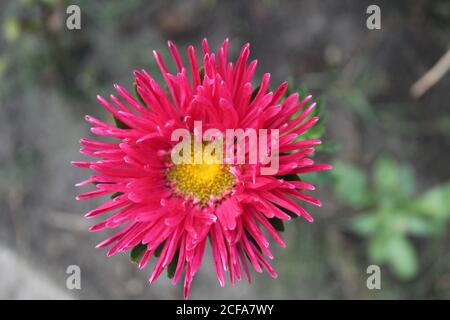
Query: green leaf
(377, 247)
(418, 226)
(402, 257)
(252, 240)
(171, 268)
(254, 93)
(120, 124)
(302, 90)
(406, 181)
(365, 225)
(116, 194)
(435, 202)
(202, 74)
(137, 253)
(138, 96)
(351, 185)
(317, 111)
(386, 178)
(159, 249)
(407, 222)
(290, 88)
(315, 132)
(11, 29)
(357, 101)
(277, 224)
(319, 177)
(288, 212)
(328, 147)
(290, 177)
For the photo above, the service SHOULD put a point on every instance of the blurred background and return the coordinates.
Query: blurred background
(387, 202)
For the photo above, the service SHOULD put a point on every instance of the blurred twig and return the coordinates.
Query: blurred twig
(432, 76)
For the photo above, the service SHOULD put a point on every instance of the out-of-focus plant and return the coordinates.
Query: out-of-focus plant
(392, 214)
(318, 130)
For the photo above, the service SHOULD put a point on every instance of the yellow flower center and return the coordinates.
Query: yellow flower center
(205, 180)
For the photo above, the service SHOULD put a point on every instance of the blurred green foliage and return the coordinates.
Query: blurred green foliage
(392, 214)
(318, 130)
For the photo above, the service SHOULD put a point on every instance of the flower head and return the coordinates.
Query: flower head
(169, 209)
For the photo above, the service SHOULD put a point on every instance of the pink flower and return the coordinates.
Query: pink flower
(177, 207)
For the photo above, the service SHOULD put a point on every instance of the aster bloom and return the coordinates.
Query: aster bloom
(170, 210)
